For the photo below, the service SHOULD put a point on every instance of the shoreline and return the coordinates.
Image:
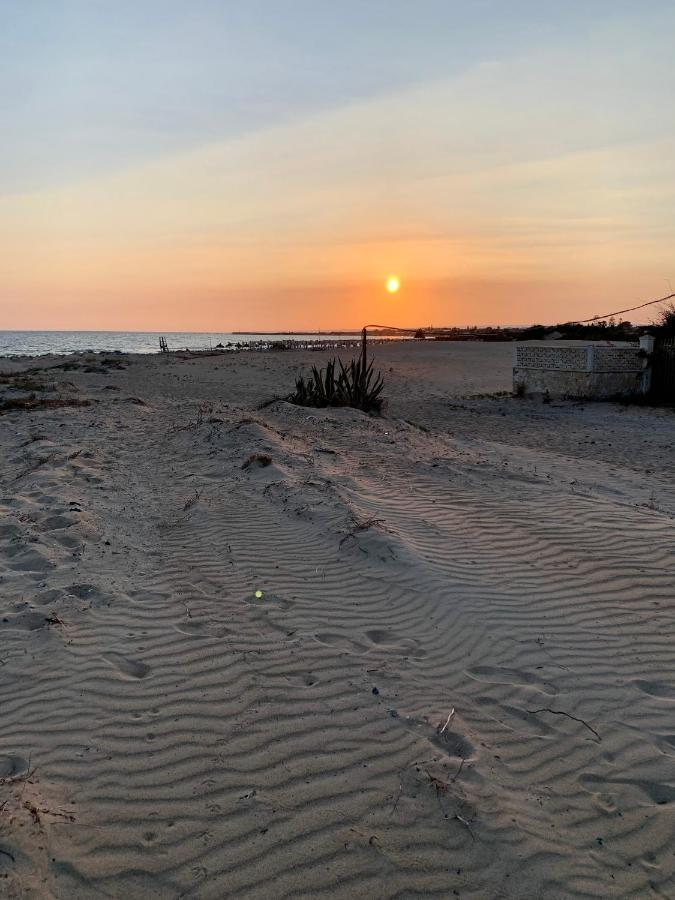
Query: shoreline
(229, 347)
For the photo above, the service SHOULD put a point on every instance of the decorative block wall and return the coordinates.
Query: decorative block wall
(580, 370)
(535, 356)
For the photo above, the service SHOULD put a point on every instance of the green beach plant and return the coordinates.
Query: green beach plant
(352, 385)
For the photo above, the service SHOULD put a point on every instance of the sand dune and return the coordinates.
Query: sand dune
(229, 680)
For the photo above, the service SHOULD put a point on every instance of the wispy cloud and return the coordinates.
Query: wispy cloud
(548, 173)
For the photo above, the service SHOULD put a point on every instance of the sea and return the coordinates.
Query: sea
(35, 343)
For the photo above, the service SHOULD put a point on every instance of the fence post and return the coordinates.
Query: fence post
(647, 344)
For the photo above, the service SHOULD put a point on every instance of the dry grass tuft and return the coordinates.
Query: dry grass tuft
(258, 460)
(33, 402)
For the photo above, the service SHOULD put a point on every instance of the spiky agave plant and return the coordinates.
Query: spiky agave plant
(360, 387)
(353, 385)
(320, 388)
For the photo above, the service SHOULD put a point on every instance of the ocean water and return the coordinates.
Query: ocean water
(34, 343)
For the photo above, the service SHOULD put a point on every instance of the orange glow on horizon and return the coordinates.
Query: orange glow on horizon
(194, 240)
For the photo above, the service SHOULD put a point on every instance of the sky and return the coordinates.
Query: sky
(222, 165)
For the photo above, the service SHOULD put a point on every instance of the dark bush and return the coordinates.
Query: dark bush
(257, 460)
(666, 320)
(33, 402)
(352, 385)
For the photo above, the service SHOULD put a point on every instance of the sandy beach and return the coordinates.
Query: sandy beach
(249, 649)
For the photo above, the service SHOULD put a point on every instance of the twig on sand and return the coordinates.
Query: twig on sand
(372, 840)
(22, 776)
(25, 778)
(34, 812)
(398, 797)
(202, 408)
(441, 786)
(560, 712)
(447, 721)
(360, 526)
(466, 825)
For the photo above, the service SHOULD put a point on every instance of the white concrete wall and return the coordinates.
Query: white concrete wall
(581, 369)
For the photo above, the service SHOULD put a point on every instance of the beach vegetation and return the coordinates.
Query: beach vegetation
(599, 330)
(257, 460)
(32, 402)
(665, 322)
(24, 383)
(355, 385)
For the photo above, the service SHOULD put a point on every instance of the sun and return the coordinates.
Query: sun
(393, 284)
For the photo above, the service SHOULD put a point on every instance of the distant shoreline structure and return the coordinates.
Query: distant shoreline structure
(36, 343)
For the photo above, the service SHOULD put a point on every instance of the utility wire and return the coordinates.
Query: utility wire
(620, 311)
(571, 322)
(391, 328)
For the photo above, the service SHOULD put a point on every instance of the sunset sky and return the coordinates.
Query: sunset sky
(268, 164)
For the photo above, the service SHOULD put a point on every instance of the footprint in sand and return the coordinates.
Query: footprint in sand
(12, 766)
(92, 594)
(83, 591)
(660, 793)
(376, 640)
(55, 523)
(268, 601)
(197, 628)
(28, 559)
(46, 597)
(515, 677)
(656, 689)
(389, 641)
(340, 642)
(9, 530)
(131, 668)
(666, 743)
(522, 721)
(24, 621)
(148, 597)
(305, 680)
(451, 742)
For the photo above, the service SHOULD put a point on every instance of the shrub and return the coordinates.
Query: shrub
(666, 320)
(352, 385)
(33, 402)
(259, 460)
